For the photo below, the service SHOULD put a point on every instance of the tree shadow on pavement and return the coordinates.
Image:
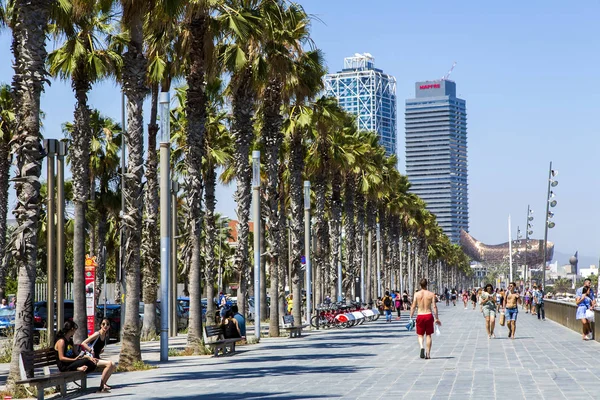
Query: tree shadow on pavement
(311, 345)
(246, 396)
(255, 372)
(297, 357)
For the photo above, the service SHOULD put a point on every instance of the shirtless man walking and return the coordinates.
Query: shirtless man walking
(511, 309)
(424, 300)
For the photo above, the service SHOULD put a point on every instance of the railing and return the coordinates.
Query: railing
(564, 313)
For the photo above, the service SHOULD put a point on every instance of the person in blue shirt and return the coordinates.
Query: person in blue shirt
(591, 295)
(584, 303)
(538, 299)
(240, 320)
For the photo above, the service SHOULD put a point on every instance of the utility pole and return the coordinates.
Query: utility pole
(307, 251)
(165, 211)
(173, 282)
(60, 233)
(51, 148)
(257, 234)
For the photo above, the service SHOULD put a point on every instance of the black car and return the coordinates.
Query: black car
(40, 313)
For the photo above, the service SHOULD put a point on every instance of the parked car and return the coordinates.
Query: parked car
(40, 313)
(182, 316)
(7, 320)
(113, 313)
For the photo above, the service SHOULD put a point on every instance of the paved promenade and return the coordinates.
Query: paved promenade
(381, 361)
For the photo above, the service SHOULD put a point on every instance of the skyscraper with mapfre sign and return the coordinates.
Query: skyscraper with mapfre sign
(436, 153)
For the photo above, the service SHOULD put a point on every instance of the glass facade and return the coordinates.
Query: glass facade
(368, 93)
(436, 153)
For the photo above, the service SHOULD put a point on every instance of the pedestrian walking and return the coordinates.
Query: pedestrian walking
(584, 302)
(398, 303)
(465, 297)
(427, 316)
(405, 301)
(474, 298)
(538, 298)
(512, 310)
(447, 296)
(488, 305)
(527, 298)
(454, 296)
(387, 306)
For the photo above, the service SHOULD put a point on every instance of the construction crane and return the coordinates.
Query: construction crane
(445, 77)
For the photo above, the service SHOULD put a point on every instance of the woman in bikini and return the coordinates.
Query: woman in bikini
(95, 344)
(68, 360)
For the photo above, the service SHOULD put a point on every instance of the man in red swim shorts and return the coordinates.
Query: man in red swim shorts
(424, 300)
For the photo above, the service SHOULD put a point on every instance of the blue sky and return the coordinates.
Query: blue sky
(526, 69)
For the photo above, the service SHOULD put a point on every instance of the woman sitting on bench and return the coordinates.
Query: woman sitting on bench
(96, 348)
(231, 329)
(67, 359)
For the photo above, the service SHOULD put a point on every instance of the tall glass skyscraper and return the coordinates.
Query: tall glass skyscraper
(436, 153)
(368, 93)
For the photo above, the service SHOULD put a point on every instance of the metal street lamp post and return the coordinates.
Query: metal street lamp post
(550, 202)
(379, 294)
(173, 280)
(257, 234)
(528, 232)
(60, 232)
(51, 146)
(307, 251)
(165, 231)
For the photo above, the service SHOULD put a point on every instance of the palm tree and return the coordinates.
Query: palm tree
(28, 23)
(239, 54)
(217, 153)
(134, 85)
(104, 163)
(285, 33)
(7, 117)
(163, 31)
(199, 44)
(309, 72)
(327, 117)
(84, 59)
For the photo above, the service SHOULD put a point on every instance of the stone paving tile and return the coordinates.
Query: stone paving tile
(381, 361)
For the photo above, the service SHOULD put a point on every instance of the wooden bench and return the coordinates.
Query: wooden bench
(288, 325)
(219, 343)
(30, 361)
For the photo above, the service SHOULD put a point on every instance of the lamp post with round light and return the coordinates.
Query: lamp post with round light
(528, 232)
(550, 202)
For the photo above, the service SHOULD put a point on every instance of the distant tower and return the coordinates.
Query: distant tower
(368, 93)
(436, 153)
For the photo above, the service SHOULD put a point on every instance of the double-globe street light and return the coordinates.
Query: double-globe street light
(528, 233)
(550, 202)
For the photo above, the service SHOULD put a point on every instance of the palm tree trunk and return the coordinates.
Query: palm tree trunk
(335, 234)
(320, 188)
(284, 257)
(80, 167)
(210, 180)
(195, 136)
(28, 47)
(350, 228)
(297, 217)
(102, 231)
(134, 73)
(151, 244)
(242, 130)
(273, 138)
(359, 249)
(5, 160)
